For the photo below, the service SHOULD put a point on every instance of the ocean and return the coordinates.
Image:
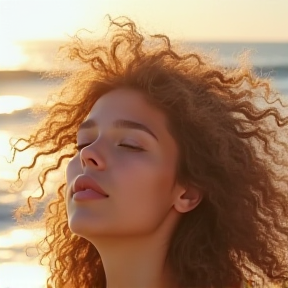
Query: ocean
(20, 90)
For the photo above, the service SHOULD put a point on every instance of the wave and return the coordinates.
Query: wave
(26, 74)
(272, 71)
(24, 116)
(20, 74)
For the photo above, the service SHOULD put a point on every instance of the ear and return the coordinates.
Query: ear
(188, 199)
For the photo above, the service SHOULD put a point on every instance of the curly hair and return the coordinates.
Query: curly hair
(231, 131)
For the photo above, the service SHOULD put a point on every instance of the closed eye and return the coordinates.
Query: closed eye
(136, 148)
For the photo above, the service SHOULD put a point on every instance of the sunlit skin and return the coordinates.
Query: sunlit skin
(131, 228)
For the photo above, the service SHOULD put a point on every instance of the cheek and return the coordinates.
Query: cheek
(144, 196)
(157, 171)
(147, 181)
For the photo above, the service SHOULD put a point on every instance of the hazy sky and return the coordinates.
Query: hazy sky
(194, 20)
(199, 20)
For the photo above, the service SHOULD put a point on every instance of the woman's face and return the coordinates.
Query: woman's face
(130, 154)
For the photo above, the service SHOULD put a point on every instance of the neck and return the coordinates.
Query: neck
(137, 263)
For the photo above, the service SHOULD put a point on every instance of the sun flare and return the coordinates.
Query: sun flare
(11, 56)
(11, 103)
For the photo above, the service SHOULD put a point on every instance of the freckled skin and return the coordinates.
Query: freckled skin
(140, 184)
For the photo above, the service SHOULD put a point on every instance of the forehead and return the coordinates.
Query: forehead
(126, 104)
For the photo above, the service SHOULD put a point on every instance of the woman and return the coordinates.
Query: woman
(176, 174)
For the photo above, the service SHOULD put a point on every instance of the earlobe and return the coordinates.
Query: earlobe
(188, 200)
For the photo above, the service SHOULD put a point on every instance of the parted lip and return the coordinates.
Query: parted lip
(83, 182)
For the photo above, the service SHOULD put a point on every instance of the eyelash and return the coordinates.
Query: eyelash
(135, 148)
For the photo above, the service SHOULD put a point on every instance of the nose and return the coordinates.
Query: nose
(90, 157)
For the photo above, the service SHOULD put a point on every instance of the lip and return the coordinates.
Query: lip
(83, 182)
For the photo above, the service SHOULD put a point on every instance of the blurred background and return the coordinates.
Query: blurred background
(31, 32)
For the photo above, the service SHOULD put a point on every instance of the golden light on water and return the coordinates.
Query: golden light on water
(8, 170)
(8, 198)
(15, 275)
(16, 238)
(11, 56)
(4, 140)
(30, 273)
(11, 103)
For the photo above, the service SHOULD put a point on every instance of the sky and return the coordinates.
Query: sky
(199, 20)
(193, 20)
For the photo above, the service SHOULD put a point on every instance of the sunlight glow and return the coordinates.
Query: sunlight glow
(11, 103)
(11, 56)
(16, 238)
(7, 254)
(15, 275)
(206, 20)
(8, 198)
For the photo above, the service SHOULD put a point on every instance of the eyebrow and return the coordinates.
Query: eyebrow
(120, 123)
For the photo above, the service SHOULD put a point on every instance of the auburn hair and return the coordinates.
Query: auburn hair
(231, 131)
